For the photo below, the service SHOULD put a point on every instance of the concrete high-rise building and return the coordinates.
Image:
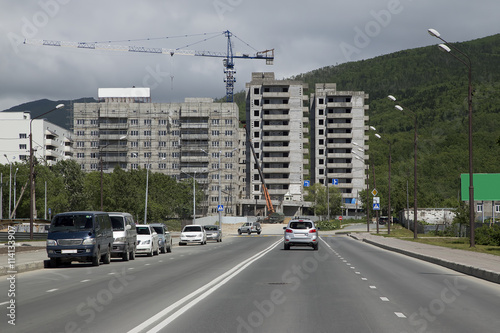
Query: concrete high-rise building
(51, 143)
(197, 138)
(277, 127)
(338, 150)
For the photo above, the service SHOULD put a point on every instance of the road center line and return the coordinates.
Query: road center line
(213, 285)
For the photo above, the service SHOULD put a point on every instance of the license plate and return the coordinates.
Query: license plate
(69, 251)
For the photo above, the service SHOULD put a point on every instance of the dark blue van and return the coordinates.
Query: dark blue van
(80, 236)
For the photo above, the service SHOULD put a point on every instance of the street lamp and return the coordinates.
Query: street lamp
(389, 196)
(32, 179)
(415, 203)
(100, 162)
(367, 190)
(194, 194)
(447, 47)
(15, 206)
(10, 183)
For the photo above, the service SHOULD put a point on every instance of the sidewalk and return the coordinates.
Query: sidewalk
(23, 261)
(481, 265)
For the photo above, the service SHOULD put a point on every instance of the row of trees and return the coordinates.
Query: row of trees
(71, 189)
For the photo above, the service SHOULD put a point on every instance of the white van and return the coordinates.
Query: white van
(124, 236)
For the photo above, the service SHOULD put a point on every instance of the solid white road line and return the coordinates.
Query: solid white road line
(213, 285)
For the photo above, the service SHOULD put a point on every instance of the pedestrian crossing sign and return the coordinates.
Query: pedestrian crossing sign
(376, 206)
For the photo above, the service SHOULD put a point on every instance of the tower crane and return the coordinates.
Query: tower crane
(228, 56)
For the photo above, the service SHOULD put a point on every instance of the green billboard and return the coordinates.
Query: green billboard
(486, 186)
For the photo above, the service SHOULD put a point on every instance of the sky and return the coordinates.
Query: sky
(305, 35)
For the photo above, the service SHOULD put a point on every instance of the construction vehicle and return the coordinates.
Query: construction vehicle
(269, 204)
(228, 56)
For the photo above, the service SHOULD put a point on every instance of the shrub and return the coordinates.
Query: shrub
(328, 225)
(488, 235)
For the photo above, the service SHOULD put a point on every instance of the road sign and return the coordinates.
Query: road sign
(335, 181)
(340, 218)
(306, 183)
(376, 200)
(220, 208)
(374, 192)
(376, 206)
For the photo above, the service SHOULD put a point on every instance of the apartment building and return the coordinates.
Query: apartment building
(197, 138)
(277, 128)
(338, 150)
(51, 143)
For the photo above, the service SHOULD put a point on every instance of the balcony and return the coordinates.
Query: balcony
(104, 126)
(275, 117)
(275, 95)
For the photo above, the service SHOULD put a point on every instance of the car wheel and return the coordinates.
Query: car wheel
(107, 257)
(239, 232)
(258, 232)
(287, 246)
(54, 262)
(97, 258)
(315, 247)
(164, 249)
(125, 255)
(249, 232)
(150, 253)
(181, 244)
(169, 249)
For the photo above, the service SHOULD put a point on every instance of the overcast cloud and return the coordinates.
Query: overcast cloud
(306, 35)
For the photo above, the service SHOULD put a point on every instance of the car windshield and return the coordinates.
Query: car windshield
(143, 230)
(78, 222)
(301, 225)
(117, 222)
(210, 228)
(191, 228)
(159, 230)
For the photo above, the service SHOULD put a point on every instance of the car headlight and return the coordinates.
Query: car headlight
(51, 242)
(148, 241)
(89, 241)
(120, 240)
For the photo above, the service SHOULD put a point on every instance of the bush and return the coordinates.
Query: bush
(488, 235)
(328, 225)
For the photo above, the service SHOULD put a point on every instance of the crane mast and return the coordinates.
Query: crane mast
(228, 56)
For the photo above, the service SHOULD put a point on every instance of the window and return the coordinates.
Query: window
(321, 101)
(134, 166)
(134, 155)
(162, 133)
(80, 155)
(93, 166)
(229, 133)
(94, 155)
(147, 155)
(215, 143)
(80, 121)
(94, 133)
(175, 166)
(256, 102)
(479, 208)
(162, 144)
(93, 122)
(497, 208)
(229, 121)
(80, 133)
(256, 91)
(256, 113)
(215, 155)
(229, 143)
(147, 144)
(162, 155)
(215, 133)
(215, 121)
(147, 121)
(175, 143)
(134, 121)
(22, 146)
(162, 122)
(23, 136)
(134, 133)
(94, 144)
(134, 144)
(147, 133)
(215, 166)
(162, 166)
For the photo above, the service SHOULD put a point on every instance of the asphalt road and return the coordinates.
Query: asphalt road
(250, 284)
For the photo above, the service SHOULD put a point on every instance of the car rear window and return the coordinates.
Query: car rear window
(192, 228)
(301, 225)
(143, 230)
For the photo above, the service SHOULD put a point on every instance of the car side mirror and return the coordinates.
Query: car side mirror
(128, 227)
(284, 228)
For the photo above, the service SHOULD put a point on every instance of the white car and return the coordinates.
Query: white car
(193, 233)
(147, 240)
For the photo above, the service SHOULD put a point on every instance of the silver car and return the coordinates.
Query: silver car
(213, 232)
(301, 232)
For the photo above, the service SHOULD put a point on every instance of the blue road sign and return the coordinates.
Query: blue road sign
(307, 183)
(376, 206)
(220, 208)
(335, 181)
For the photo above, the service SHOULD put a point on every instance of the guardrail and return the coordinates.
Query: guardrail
(23, 236)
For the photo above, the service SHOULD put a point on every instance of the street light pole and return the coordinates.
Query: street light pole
(389, 195)
(10, 183)
(447, 47)
(415, 136)
(15, 206)
(32, 178)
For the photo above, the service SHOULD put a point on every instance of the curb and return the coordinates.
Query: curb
(465, 269)
(21, 268)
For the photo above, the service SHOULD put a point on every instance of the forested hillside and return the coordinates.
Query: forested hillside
(434, 85)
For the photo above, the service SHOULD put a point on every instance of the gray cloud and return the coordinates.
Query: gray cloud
(305, 35)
